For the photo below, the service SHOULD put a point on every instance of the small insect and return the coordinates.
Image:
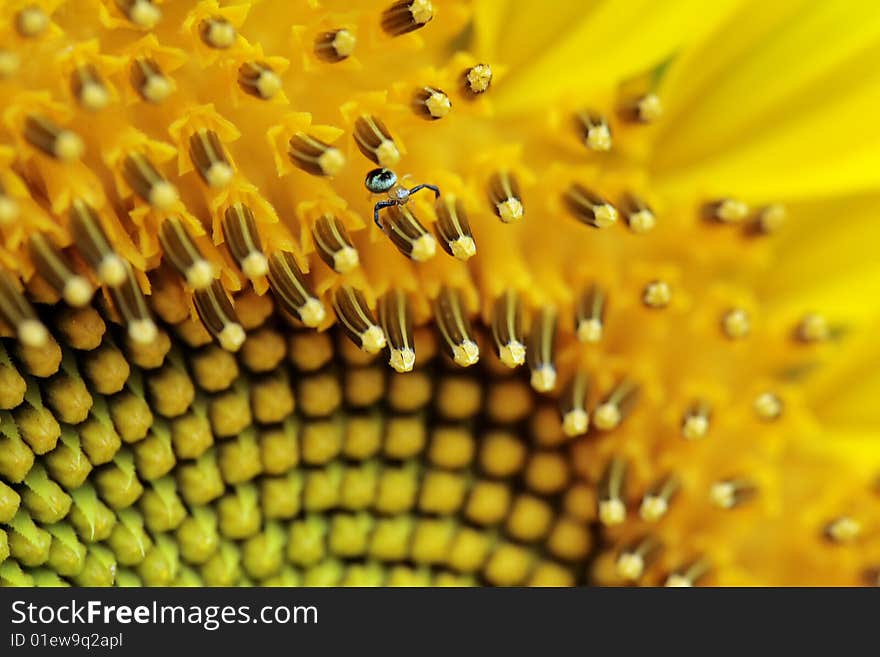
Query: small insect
(383, 180)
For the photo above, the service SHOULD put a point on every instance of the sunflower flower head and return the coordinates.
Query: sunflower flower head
(436, 292)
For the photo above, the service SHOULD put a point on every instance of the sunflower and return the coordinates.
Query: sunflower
(439, 292)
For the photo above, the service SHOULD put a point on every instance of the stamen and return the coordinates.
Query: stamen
(643, 109)
(334, 46)
(292, 291)
(395, 316)
(315, 156)
(612, 508)
(632, 561)
(142, 13)
(770, 218)
(334, 245)
(657, 294)
(55, 268)
(184, 255)
(695, 423)
(132, 307)
(638, 215)
(8, 207)
(594, 131)
(408, 234)
(88, 88)
(736, 324)
(616, 406)
(813, 328)
(590, 315)
(243, 240)
(19, 314)
(731, 493)
(540, 351)
(477, 79)
(149, 81)
(726, 210)
(147, 182)
(590, 208)
(375, 142)
(31, 21)
(407, 16)
(209, 158)
(455, 327)
(453, 229)
(217, 314)
(573, 405)
(57, 142)
(93, 245)
(9, 63)
(357, 321)
(768, 406)
(217, 32)
(688, 575)
(504, 197)
(844, 529)
(507, 329)
(259, 80)
(656, 501)
(431, 103)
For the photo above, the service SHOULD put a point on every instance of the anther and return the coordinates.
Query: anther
(770, 218)
(477, 79)
(639, 217)
(334, 245)
(616, 406)
(395, 316)
(573, 405)
(132, 307)
(813, 328)
(8, 207)
(643, 109)
(695, 423)
(9, 63)
(375, 142)
(455, 327)
(504, 197)
(431, 103)
(209, 158)
(726, 210)
(594, 131)
(590, 208)
(357, 320)
(217, 314)
(147, 182)
(768, 406)
(656, 501)
(315, 156)
(657, 294)
(259, 80)
(142, 13)
(149, 81)
(507, 329)
(736, 323)
(453, 229)
(93, 245)
(181, 251)
(612, 507)
(540, 350)
(844, 529)
(217, 32)
(688, 575)
(632, 562)
(243, 240)
(292, 291)
(590, 315)
(60, 143)
(31, 21)
(730, 493)
(408, 234)
(89, 88)
(334, 46)
(55, 268)
(18, 313)
(407, 16)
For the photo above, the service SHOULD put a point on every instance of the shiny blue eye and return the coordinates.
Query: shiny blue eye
(380, 180)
